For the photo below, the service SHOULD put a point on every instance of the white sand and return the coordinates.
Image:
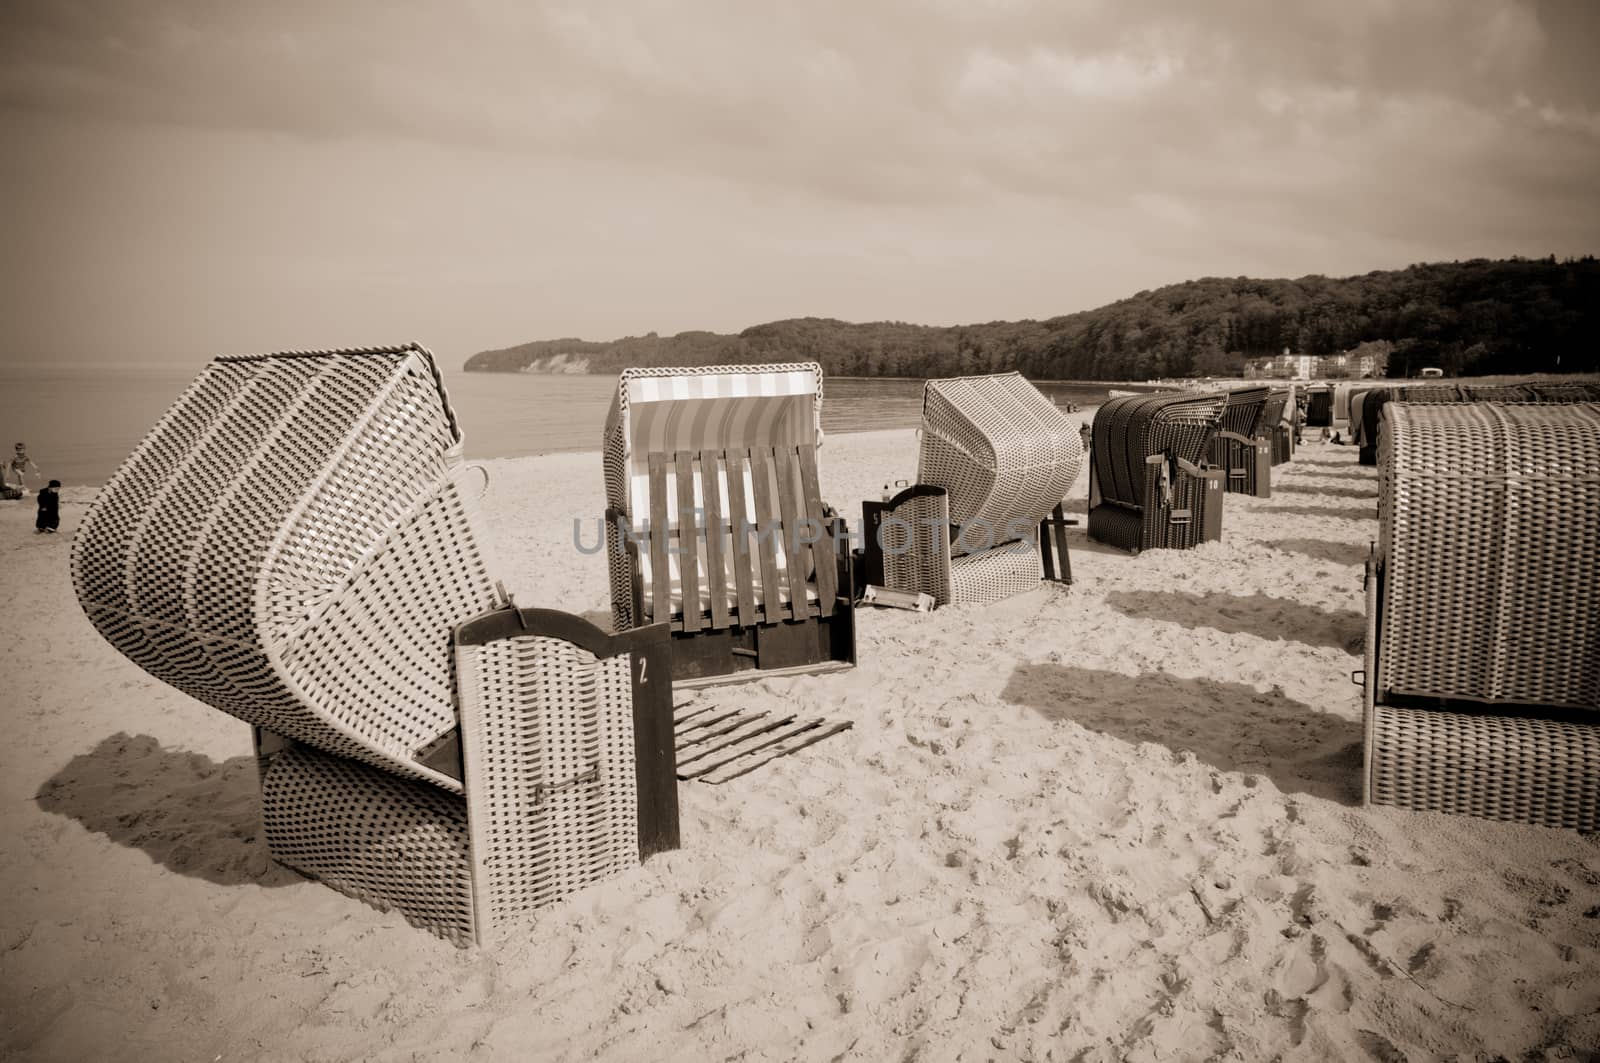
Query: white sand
(1115, 822)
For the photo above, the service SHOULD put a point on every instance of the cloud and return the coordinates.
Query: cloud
(1163, 136)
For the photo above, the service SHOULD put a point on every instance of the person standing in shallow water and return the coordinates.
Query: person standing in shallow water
(49, 518)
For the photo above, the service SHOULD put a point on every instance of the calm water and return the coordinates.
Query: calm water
(80, 423)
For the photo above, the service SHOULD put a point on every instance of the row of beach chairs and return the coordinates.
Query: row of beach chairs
(298, 543)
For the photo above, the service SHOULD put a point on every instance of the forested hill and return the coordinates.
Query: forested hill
(1481, 316)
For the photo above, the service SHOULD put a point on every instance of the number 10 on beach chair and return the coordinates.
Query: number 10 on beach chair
(715, 522)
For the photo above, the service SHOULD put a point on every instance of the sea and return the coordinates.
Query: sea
(80, 422)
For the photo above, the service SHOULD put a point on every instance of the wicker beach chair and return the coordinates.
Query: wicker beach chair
(1242, 447)
(1319, 406)
(1483, 613)
(1280, 429)
(296, 544)
(984, 520)
(698, 463)
(1146, 472)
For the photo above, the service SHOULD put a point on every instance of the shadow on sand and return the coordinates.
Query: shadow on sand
(1232, 727)
(1340, 463)
(1337, 512)
(1259, 614)
(1331, 491)
(187, 812)
(1323, 549)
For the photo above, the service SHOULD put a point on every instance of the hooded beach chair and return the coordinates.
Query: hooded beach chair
(1319, 406)
(1281, 427)
(1482, 667)
(1148, 487)
(984, 520)
(1242, 446)
(296, 543)
(716, 524)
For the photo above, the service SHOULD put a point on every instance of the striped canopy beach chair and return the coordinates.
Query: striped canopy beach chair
(1483, 613)
(1149, 489)
(984, 520)
(716, 524)
(296, 543)
(1319, 406)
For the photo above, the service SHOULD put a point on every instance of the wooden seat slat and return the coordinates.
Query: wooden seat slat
(660, 574)
(716, 566)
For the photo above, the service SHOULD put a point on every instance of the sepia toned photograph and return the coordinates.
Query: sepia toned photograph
(914, 531)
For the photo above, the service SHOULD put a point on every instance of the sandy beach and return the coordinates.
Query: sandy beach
(1116, 821)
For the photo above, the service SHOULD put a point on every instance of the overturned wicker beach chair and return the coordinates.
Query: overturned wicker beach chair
(295, 543)
(984, 521)
(716, 524)
(1148, 488)
(1242, 447)
(1483, 614)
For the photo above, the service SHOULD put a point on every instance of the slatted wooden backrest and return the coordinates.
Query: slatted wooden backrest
(744, 551)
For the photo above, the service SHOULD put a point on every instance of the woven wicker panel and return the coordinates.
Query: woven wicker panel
(1131, 428)
(916, 547)
(391, 842)
(290, 546)
(1520, 769)
(1004, 452)
(1564, 392)
(979, 579)
(1488, 518)
(547, 733)
(1272, 413)
(618, 454)
(1245, 410)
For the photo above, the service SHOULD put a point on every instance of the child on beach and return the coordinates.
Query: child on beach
(49, 518)
(20, 464)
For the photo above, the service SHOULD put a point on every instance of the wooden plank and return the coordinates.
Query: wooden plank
(688, 711)
(700, 723)
(694, 738)
(716, 567)
(660, 574)
(782, 749)
(796, 554)
(770, 739)
(688, 541)
(826, 558)
(743, 580)
(772, 608)
(741, 733)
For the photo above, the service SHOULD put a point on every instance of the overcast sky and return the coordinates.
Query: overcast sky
(184, 177)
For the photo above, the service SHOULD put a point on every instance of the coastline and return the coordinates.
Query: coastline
(1116, 821)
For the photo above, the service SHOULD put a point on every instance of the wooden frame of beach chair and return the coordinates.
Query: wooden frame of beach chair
(715, 507)
(984, 521)
(295, 543)
(1148, 489)
(1482, 662)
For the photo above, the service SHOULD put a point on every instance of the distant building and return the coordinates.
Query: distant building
(1289, 366)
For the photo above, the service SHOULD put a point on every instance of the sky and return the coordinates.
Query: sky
(185, 178)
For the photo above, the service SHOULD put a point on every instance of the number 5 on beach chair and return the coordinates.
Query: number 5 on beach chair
(294, 545)
(716, 526)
